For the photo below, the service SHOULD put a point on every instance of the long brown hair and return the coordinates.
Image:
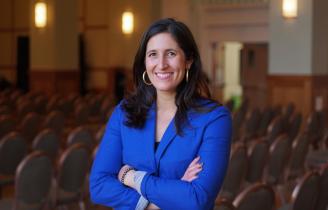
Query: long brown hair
(188, 92)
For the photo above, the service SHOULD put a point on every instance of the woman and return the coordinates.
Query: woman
(167, 145)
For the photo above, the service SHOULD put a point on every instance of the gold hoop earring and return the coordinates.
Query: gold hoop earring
(144, 78)
(187, 75)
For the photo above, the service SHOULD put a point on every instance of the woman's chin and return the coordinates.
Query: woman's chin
(165, 89)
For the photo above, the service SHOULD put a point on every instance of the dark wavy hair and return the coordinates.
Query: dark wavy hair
(188, 92)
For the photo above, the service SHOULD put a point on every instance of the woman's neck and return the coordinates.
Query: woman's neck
(166, 102)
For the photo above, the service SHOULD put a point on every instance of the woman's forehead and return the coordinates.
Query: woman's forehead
(162, 41)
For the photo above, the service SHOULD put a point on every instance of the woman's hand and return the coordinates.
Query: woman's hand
(128, 181)
(192, 171)
(128, 177)
(152, 206)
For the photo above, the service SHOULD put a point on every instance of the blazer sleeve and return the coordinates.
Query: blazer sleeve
(201, 193)
(105, 188)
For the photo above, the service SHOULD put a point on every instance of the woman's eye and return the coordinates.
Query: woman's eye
(171, 54)
(151, 54)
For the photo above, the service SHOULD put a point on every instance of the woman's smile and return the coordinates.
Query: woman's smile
(164, 75)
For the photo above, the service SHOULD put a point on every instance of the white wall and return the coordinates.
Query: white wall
(290, 45)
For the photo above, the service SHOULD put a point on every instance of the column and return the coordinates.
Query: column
(54, 49)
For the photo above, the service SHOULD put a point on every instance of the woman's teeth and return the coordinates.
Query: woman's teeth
(163, 75)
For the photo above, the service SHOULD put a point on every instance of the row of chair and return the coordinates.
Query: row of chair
(310, 193)
(260, 161)
(62, 113)
(39, 183)
(51, 127)
(273, 121)
(19, 104)
(14, 147)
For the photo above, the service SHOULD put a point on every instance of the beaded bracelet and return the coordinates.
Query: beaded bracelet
(125, 173)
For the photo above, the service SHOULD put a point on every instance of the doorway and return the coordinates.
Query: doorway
(240, 72)
(226, 72)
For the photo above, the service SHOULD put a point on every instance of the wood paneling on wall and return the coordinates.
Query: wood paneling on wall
(54, 81)
(14, 21)
(6, 52)
(303, 91)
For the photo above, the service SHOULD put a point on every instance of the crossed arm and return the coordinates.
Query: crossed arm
(127, 176)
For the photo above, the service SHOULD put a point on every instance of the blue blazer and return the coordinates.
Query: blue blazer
(207, 135)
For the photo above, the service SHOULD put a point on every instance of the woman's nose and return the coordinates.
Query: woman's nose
(162, 62)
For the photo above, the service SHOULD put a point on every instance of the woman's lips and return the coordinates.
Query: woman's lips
(163, 75)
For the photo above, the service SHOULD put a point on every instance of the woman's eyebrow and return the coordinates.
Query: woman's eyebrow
(166, 50)
(171, 49)
(150, 51)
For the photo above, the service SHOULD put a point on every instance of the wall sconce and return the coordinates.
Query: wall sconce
(289, 8)
(127, 22)
(40, 14)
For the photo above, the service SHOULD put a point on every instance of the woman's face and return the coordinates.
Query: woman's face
(165, 62)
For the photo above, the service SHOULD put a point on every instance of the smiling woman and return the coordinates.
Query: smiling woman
(166, 145)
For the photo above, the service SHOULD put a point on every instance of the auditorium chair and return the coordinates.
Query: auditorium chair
(258, 154)
(47, 141)
(223, 204)
(32, 184)
(236, 173)
(258, 196)
(322, 202)
(13, 148)
(72, 170)
(305, 194)
(279, 153)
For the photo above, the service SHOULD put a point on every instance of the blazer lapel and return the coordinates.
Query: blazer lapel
(150, 134)
(167, 138)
